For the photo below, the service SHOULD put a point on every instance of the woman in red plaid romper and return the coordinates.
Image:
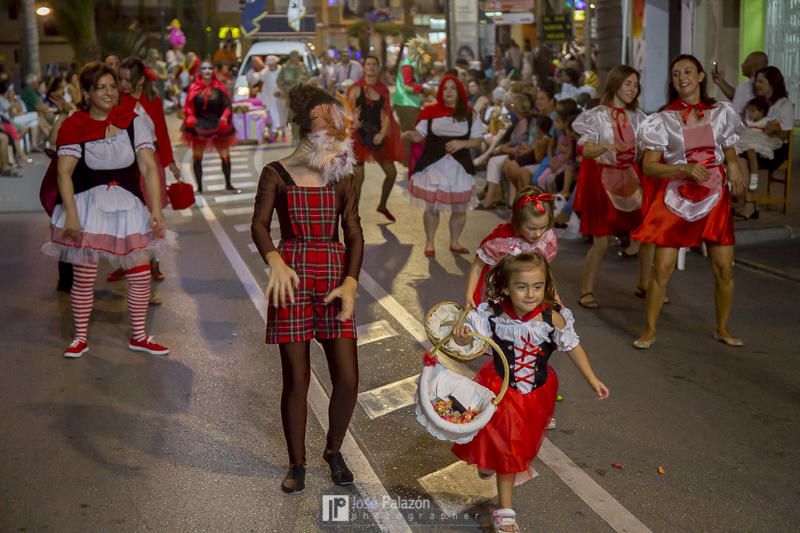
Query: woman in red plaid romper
(313, 277)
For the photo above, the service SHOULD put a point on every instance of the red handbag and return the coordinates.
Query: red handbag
(181, 195)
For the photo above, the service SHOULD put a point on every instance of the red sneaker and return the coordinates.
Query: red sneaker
(147, 345)
(76, 349)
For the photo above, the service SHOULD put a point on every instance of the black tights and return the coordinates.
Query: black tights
(296, 370)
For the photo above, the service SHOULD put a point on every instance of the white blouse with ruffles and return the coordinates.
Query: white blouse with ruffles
(597, 126)
(114, 152)
(537, 332)
(663, 132)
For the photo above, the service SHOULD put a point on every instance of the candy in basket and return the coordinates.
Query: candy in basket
(450, 406)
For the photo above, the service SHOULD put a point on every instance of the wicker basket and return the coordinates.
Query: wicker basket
(438, 382)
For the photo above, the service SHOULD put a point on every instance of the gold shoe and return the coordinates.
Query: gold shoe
(640, 344)
(729, 341)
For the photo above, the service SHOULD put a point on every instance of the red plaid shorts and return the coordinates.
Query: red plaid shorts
(320, 267)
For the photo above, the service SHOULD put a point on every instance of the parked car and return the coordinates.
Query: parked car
(282, 49)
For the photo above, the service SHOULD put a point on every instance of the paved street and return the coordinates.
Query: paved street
(122, 441)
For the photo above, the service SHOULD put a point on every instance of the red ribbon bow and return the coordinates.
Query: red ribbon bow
(687, 108)
(150, 74)
(535, 199)
(112, 183)
(616, 114)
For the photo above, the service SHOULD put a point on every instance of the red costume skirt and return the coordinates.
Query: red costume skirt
(599, 217)
(218, 140)
(664, 228)
(390, 151)
(512, 438)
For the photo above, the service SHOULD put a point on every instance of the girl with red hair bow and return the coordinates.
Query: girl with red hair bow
(690, 145)
(207, 123)
(443, 177)
(530, 230)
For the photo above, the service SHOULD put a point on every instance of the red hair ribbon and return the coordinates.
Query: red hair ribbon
(687, 108)
(150, 74)
(535, 199)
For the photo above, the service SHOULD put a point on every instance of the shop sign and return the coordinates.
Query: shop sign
(510, 6)
(557, 28)
(505, 19)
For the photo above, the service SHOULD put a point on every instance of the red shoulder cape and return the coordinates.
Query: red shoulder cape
(80, 127)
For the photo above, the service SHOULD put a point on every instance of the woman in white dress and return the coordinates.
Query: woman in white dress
(274, 100)
(443, 177)
(99, 211)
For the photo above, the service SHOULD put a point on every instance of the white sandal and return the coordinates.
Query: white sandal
(505, 518)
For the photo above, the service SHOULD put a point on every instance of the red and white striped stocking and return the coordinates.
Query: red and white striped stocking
(138, 299)
(81, 298)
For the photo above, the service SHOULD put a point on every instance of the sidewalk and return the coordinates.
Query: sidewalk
(22, 194)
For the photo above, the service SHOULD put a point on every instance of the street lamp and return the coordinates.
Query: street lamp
(43, 11)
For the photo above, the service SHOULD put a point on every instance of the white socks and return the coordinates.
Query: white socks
(753, 182)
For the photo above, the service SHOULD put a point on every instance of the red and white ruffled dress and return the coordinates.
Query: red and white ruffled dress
(115, 224)
(684, 212)
(501, 242)
(609, 195)
(441, 180)
(508, 444)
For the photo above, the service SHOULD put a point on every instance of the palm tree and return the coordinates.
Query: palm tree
(30, 38)
(75, 20)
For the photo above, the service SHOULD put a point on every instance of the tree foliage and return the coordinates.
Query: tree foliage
(75, 20)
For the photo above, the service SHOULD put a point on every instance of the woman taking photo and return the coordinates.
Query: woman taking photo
(378, 136)
(609, 193)
(100, 211)
(313, 278)
(769, 84)
(207, 123)
(690, 143)
(443, 178)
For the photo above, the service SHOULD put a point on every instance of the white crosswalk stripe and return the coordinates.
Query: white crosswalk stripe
(235, 211)
(234, 198)
(239, 184)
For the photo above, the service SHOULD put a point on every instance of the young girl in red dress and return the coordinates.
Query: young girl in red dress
(378, 136)
(530, 230)
(690, 146)
(529, 326)
(312, 191)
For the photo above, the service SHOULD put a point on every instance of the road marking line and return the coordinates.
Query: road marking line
(374, 332)
(241, 228)
(383, 400)
(233, 198)
(368, 484)
(457, 487)
(587, 489)
(240, 184)
(235, 211)
(213, 176)
(186, 213)
(252, 247)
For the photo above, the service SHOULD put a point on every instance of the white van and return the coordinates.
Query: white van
(282, 49)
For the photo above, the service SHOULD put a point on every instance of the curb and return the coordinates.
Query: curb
(767, 234)
(760, 267)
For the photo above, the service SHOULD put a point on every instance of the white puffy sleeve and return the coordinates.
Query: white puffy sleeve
(478, 128)
(731, 124)
(143, 136)
(566, 338)
(653, 135)
(587, 126)
(422, 127)
(478, 320)
(72, 150)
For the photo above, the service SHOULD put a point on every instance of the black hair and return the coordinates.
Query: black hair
(568, 106)
(672, 92)
(775, 79)
(303, 99)
(544, 123)
(760, 103)
(137, 70)
(89, 77)
(573, 75)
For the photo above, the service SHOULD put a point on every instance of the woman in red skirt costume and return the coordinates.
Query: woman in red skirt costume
(312, 191)
(690, 144)
(377, 137)
(609, 193)
(100, 211)
(207, 123)
(529, 326)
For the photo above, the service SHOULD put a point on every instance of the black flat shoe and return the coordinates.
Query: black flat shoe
(340, 474)
(625, 255)
(295, 480)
